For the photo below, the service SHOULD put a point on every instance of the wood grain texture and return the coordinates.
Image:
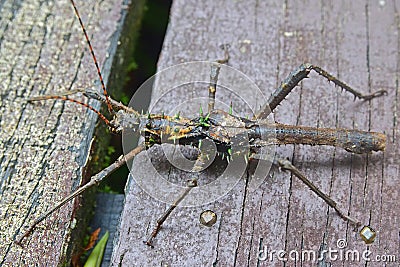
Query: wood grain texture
(357, 41)
(44, 146)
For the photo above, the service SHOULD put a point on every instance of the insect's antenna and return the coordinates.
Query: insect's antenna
(110, 109)
(75, 101)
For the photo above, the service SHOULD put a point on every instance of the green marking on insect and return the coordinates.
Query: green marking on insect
(177, 116)
(203, 121)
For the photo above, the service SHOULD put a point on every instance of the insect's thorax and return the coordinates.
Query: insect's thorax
(219, 126)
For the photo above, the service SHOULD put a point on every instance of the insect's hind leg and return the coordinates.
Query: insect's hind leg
(367, 233)
(215, 68)
(299, 74)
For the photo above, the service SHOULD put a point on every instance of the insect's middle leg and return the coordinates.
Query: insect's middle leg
(215, 68)
(161, 220)
(299, 74)
(197, 167)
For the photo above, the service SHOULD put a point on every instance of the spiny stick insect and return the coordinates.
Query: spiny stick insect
(215, 126)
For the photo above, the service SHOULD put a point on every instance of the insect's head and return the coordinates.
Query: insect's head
(124, 121)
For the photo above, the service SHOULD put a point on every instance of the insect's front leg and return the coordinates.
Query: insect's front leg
(92, 94)
(298, 75)
(95, 180)
(190, 185)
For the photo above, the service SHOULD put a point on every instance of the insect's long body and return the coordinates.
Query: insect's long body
(224, 129)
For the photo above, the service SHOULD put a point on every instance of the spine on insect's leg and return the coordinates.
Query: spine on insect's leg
(351, 140)
(298, 75)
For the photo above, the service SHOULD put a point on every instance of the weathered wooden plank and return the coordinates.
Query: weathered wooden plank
(44, 146)
(359, 42)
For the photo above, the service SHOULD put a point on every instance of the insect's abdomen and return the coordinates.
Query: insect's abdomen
(351, 140)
